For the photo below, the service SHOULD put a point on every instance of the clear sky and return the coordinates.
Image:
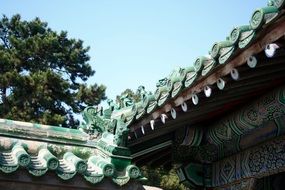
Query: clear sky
(137, 42)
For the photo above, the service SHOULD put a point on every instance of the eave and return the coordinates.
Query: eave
(252, 83)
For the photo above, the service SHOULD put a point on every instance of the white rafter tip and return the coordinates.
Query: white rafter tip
(221, 84)
(251, 61)
(152, 124)
(195, 99)
(207, 91)
(235, 74)
(270, 49)
(142, 128)
(184, 107)
(173, 113)
(163, 118)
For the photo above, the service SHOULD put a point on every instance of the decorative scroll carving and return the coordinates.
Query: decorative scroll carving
(121, 134)
(97, 122)
(142, 92)
(126, 100)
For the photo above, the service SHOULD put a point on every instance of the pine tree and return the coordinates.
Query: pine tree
(43, 74)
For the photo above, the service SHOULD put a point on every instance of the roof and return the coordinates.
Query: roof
(211, 71)
(184, 97)
(100, 147)
(66, 152)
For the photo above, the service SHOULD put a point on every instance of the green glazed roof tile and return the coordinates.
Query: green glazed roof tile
(99, 148)
(93, 160)
(177, 88)
(203, 65)
(141, 107)
(133, 171)
(121, 180)
(277, 3)
(177, 78)
(263, 16)
(49, 160)
(104, 167)
(66, 168)
(152, 106)
(235, 34)
(8, 162)
(246, 38)
(218, 47)
(64, 171)
(164, 95)
(37, 167)
(94, 178)
(25, 129)
(210, 64)
(21, 156)
(191, 76)
(198, 65)
(226, 53)
(148, 99)
(74, 162)
(221, 52)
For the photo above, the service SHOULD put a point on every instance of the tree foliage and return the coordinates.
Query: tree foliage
(159, 177)
(43, 73)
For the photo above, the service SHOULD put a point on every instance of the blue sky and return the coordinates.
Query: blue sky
(137, 42)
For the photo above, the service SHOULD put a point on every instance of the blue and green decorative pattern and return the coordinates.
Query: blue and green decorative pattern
(226, 134)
